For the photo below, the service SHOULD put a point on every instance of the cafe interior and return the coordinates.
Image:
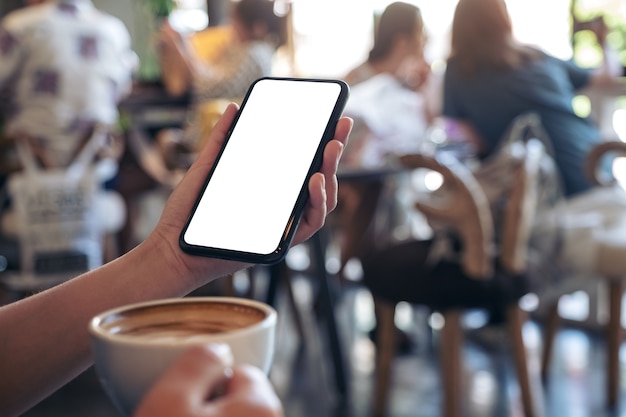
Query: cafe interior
(342, 349)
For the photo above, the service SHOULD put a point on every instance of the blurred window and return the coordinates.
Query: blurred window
(189, 16)
(332, 36)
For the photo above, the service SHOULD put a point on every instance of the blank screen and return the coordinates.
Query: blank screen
(252, 192)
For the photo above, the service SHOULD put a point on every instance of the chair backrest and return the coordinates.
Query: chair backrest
(467, 210)
(59, 231)
(593, 163)
(520, 209)
(464, 208)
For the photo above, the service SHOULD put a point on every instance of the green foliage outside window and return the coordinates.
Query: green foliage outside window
(161, 8)
(587, 52)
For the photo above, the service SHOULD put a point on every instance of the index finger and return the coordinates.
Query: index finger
(342, 131)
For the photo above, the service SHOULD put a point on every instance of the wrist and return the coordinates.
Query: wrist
(183, 272)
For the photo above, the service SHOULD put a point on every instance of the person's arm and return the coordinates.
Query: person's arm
(44, 339)
(177, 60)
(456, 115)
(189, 389)
(11, 52)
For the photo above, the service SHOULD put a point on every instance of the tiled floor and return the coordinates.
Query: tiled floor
(303, 376)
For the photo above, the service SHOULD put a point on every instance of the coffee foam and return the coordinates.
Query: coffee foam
(182, 322)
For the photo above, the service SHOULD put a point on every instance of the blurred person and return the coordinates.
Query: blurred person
(392, 91)
(157, 268)
(399, 40)
(258, 32)
(66, 66)
(391, 111)
(491, 78)
(392, 108)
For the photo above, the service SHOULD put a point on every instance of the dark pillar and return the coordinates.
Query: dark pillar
(7, 6)
(217, 11)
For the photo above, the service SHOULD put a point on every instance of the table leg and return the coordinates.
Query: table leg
(275, 273)
(318, 255)
(328, 309)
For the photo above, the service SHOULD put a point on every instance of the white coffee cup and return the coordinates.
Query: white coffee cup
(134, 344)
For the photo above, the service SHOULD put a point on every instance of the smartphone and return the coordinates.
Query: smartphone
(253, 198)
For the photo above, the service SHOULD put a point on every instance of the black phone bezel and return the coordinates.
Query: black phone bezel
(283, 245)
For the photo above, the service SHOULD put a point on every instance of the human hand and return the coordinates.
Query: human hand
(168, 40)
(322, 200)
(414, 73)
(202, 383)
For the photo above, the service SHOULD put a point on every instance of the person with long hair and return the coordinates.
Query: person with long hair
(491, 78)
(390, 85)
(395, 72)
(398, 48)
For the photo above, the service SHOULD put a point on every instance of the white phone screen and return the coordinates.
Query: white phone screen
(251, 194)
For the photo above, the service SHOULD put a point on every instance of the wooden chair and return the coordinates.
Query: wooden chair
(610, 264)
(467, 211)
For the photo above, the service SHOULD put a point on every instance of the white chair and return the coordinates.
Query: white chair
(60, 217)
(607, 241)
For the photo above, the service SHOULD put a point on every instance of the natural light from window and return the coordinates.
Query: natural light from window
(332, 36)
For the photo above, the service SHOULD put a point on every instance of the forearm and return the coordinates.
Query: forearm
(44, 341)
(177, 67)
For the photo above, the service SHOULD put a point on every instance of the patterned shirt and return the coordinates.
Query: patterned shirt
(237, 68)
(65, 65)
(233, 73)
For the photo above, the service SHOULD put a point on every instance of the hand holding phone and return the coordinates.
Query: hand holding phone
(253, 198)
